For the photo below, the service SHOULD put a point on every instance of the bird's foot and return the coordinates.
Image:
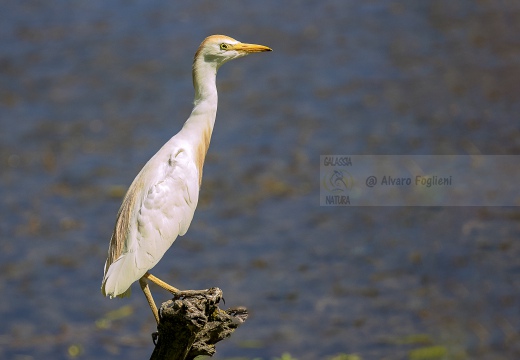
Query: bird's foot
(188, 293)
(214, 292)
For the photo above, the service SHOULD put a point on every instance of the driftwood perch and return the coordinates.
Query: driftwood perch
(192, 323)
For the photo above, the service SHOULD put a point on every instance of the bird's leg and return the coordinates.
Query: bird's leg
(149, 298)
(173, 290)
(161, 283)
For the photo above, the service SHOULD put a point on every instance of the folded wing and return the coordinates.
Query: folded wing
(148, 224)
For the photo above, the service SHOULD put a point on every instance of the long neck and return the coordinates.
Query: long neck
(199, 126)
(204, 81)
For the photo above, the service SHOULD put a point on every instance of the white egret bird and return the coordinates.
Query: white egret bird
(161, 201)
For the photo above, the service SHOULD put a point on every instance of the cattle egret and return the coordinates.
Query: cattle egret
(161, 201)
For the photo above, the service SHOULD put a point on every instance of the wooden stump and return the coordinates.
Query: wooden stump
(192, 323)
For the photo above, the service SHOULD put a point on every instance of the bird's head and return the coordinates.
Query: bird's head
(220, 49)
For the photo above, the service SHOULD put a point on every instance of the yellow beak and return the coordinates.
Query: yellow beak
(251, 48)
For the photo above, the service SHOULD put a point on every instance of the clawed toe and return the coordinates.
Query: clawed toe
(155, 336)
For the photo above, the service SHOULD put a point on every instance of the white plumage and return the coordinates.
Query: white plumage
(158, 212)
(161, 201)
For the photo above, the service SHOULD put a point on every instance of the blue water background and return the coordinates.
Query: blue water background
(89, 90)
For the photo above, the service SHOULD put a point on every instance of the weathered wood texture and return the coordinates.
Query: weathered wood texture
(190, 325)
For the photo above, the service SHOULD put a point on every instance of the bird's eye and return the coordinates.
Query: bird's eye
(224, 46)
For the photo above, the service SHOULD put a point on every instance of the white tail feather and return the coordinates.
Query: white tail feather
(120, 275)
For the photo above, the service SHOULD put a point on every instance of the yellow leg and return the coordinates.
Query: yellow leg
(161, 283)
(149, 298)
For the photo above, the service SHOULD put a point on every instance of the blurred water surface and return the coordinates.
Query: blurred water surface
(89, 90)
